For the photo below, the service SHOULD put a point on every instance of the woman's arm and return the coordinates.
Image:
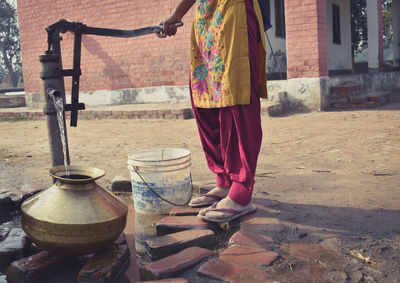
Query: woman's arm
(180, 10)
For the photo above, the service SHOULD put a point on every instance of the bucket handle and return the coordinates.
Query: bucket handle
(157, 195)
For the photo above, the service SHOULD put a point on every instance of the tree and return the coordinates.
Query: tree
(10, 51)
(387, 23)
(359, 24)
(359, 31)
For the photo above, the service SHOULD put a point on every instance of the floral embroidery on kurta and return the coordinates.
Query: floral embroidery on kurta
(208, 68)
(220, 68)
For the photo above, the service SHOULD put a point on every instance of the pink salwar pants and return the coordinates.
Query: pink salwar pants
(231, 136)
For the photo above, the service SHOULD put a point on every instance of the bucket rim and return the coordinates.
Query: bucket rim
(185, 154)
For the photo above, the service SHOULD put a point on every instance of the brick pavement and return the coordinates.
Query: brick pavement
(128, 111)
(255, 253)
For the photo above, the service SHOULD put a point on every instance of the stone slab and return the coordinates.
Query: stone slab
(15, 246)
(34, 268)
(306, 252)
(231, 272)
(248, 256)
(253, 240)
(185, 211)
(172, 243)
(174, 264)
(173, 224)
(262, 225)
(275, 110)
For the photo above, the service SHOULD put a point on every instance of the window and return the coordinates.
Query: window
(336, 23)
(280, 18)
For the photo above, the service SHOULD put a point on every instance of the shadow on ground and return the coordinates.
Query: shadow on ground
(339, 221)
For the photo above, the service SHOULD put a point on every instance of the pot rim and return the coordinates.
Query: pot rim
(58, 172)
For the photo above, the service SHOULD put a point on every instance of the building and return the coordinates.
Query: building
(310, 39)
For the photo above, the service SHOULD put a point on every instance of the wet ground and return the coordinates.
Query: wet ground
(331, 177)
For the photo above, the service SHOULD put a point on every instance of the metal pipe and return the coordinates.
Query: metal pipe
(53, 84)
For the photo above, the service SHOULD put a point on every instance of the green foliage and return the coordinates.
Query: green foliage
(387, 22)
(10, 51)
(359, 28)
(359, 31)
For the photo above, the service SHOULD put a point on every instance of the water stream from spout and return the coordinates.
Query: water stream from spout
(59, 106)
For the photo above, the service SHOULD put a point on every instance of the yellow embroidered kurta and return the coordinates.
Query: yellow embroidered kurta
(220, 66)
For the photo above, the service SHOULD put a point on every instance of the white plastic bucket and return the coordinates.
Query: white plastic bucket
(167, 172)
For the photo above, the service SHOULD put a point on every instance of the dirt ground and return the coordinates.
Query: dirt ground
(329, 175)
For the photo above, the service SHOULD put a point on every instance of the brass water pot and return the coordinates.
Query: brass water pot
(74, 216)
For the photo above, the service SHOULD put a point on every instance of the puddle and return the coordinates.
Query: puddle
(143, 226)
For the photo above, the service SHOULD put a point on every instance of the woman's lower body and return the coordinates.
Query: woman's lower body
(231, 136)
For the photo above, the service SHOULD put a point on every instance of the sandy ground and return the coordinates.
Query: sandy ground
(328, 174)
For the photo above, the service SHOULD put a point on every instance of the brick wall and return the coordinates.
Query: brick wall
(106, 62)
(306, 38)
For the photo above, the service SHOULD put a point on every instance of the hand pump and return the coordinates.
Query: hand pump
(53, 74)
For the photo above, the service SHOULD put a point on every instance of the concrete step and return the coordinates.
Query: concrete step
(163, 246)
(347, 89)
(366, 100)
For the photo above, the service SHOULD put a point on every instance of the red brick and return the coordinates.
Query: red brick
(174, 264)
(107, 264)
(374, 98)
(170, 116)
(163, 246)
(163, 112)
(36, 267)
(370, 104)
(177, 111)
(185, 211)
(172, 224)
(151, 112)
(251, 240)
(248, 256)
(262, 225)
(358, 99)
(231, 272)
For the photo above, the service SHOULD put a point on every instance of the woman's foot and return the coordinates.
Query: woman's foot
(210, 197)
(224, 211)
